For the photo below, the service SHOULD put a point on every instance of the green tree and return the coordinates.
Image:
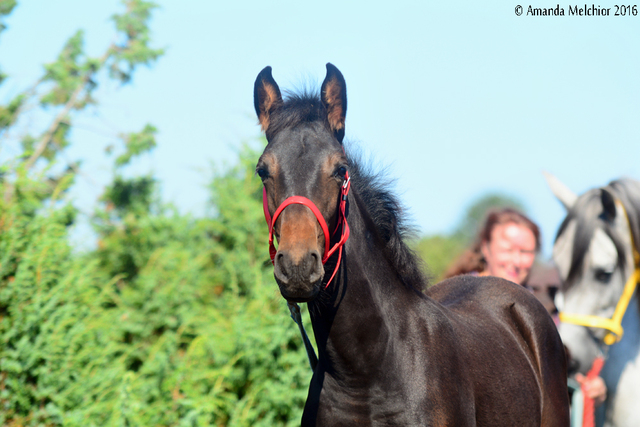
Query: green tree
(65, 89)
(440, 250)
(207, 334)
(476, 213)
(197, 335)
(172, 320)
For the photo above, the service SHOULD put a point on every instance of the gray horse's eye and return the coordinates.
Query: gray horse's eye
(602, 275)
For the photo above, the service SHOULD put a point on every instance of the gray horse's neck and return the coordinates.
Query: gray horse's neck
(622, 372)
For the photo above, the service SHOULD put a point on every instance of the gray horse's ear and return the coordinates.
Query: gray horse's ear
(608, 205)
(563, 194)
(266, 96)
(334, 98)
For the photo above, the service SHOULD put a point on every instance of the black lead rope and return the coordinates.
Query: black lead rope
(297, 317)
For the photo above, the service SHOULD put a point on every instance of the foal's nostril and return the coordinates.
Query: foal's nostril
(279, 267)
(314, 266)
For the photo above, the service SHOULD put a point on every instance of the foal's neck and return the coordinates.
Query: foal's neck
(364, 304)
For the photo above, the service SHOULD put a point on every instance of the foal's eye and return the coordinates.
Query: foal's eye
(262, 173)
(341, 172)
(602, 275)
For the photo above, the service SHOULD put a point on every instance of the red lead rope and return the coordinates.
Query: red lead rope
(588, 413)
(342, 221)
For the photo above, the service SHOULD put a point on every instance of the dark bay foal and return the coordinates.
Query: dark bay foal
(469, 352)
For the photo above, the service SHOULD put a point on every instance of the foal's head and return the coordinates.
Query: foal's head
(303, 157)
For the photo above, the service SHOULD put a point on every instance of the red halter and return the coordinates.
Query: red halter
(299, 200)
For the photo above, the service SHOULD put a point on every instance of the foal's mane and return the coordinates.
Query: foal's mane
(382, 205)
(587, 212)
(390, 220)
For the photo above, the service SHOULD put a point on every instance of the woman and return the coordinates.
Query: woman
(506, 247)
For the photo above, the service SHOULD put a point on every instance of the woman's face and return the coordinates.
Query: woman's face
(510, 252)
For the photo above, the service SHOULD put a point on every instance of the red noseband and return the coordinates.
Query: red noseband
(299, 200)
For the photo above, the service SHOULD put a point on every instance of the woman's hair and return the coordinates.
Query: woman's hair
(472, 259)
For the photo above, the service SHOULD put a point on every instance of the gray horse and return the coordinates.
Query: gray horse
(594, 251)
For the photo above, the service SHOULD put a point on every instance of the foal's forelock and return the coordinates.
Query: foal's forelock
(298, 109)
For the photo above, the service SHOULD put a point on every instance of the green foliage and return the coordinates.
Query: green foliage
(137, 143)
(9, 112)
(67, 73)
(67, 87)
(6, 6)
(134, 48)
(477, 212)
(440, 250)
(198, 335)
(237, 202)
(171, 320)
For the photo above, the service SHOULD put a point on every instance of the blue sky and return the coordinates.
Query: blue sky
(457, 99)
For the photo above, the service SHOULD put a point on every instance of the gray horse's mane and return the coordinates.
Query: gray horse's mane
(588, 214)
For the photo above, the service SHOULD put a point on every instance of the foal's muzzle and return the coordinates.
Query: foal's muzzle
(299, 278)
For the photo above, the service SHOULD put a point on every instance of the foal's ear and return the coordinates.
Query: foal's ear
(334, 98)
(608, 205)
(266, 96)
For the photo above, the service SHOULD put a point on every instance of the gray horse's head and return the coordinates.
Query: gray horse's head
(593, 252)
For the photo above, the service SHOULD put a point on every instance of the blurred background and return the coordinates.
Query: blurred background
(133, 280)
